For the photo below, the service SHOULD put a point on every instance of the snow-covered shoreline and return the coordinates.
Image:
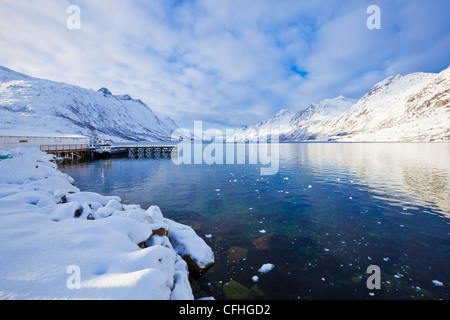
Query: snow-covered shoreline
(57, 242)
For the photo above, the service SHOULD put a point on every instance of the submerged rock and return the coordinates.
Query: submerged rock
(263, 243)
(233, 290)
(257, 292)
(235, 254)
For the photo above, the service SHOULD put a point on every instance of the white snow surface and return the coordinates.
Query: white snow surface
(42, 106)
(186, 243)
(48, 228)
(266, 268)
(409, 108)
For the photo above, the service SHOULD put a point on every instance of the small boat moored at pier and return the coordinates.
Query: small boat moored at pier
(101, 149)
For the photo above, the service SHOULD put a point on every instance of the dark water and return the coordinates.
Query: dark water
(330, 212)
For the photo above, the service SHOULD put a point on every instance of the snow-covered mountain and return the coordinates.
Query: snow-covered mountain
(414, 107)
(300, 126)
(36, 105)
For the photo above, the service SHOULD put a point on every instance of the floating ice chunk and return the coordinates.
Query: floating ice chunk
(310, 186)
(437, 283)
(217, 190)
(266, 268)
(208, 236)
(255, 278)
(386, 259)
(262, 231)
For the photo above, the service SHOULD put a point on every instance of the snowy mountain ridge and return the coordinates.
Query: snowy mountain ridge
(409, 108)
(38, 105)
(296, 126)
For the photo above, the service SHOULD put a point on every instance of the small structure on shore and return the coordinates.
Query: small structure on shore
(63, 146)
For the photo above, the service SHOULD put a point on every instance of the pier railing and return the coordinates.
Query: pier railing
(64, 147)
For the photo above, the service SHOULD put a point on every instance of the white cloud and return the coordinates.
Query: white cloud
(227, 60)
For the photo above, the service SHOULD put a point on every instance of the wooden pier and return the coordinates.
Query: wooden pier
(71, 152)
(79, 148)
(81, 152)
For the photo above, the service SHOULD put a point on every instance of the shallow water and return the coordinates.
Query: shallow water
(330, 212)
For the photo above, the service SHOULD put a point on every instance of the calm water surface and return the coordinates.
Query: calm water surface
(330, 212)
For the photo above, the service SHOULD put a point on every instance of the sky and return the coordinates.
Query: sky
(224, 62)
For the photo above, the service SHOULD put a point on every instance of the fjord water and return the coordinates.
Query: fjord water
(330, 212)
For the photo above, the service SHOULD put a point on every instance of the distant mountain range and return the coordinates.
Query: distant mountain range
(42, 106)
(410, 108)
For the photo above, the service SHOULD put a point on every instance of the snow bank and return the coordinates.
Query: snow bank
(57, 242)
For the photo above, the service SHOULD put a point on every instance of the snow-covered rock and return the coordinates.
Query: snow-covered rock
(57, 242)
(190, 246)
(37, 105)
(155, 213)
